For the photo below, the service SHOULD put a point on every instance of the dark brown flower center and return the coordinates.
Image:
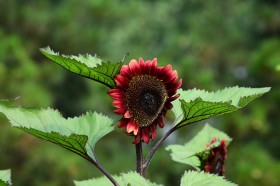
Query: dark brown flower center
(146, 96)
(150, 101)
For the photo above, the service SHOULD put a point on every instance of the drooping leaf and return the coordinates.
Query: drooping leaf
(88, 66)
(194, 178)
(125, 179)
(196, 105)
(5, 177)
(78, 134)
(190, 152)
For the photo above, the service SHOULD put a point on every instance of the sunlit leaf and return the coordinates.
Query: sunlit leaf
(78, 134)
(188, 153)
(194, 178)
(88, 66)
(125, 179)
(196, 105)
(5, 177)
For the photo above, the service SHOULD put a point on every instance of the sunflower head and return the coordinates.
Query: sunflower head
(215, 161)
(143, 96)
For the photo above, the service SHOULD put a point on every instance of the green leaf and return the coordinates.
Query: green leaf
(196, 105)
(125, 179)
(189, 153)
(88, 66)
(5, 177)
(193, 178)
(78, 134)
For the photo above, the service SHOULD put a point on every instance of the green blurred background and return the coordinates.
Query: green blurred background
(212, 44)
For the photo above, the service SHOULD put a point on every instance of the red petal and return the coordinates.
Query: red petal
(126, 72)
(114, 90)
(174, 89)
(144, 66)
(148, 67)
(141, 62)
(153, 131)
(171, 77)
(117, 95)
(154, 62)
(123, 123)
(223, 143)
(138, 138)
(208, 168)
(135, 132)
(134, 67)
(165, 114)
(131, 126)
(168, 106)
(168, 77)
(165, 71)
(122, 81)
(170, 99)
(127, 114)
(145, 135)
(119, 103)
(160, 122)
(121, 111)
(153, 68)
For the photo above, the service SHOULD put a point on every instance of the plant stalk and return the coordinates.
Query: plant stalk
(139, 159)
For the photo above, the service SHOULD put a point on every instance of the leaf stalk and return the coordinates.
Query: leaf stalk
(103, 170)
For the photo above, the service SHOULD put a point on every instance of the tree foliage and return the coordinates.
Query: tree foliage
(211, 44)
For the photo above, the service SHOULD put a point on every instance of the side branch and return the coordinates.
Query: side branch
(151, 154)
(107, 174)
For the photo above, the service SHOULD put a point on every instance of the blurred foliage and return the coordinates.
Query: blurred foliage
(212, 44)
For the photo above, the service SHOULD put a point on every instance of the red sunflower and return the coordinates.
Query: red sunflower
(143, 96)
(216, 160)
